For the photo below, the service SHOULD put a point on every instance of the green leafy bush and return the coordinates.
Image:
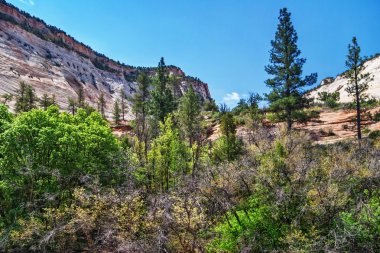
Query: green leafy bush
(374, 134)
(376, 116)
(361, 228)
(242, 227)
(48, 153)
(329, 99)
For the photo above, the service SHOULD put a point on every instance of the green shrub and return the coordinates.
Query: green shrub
(374, 134)
(48, 152)
(360, 228)
(366, 130)
(210, 105)
(329, 99)
(376, 116)
(366, 104)
(240, 228)
(331, 132)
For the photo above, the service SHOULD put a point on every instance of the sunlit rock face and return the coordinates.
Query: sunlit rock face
(56, 64)
(339, 83)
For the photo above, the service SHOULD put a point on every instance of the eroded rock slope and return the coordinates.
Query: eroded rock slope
(55, 63)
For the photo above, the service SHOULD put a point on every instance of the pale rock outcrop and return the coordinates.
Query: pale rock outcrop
(339, 84)
(56, 64)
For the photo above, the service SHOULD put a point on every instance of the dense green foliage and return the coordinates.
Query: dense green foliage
(67, 184)
(210, 105)
(229, 146)
(45, 155)
(162, 101)
(168, 157)
(305, 199)
(329, 99)
(189, 115)
(26, 98)
(141, 110)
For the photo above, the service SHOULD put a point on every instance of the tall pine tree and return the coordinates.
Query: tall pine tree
(140, 107)
(123, 103)
(25, 98)
(229, 146)
(116, 112)
(357, 81)
(287, 96)
(162, 102)
(81, 99)
(168, 157)
(46, 101)
(101, 104)
(189, 115)
(72, 106)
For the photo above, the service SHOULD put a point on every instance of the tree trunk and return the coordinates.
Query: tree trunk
(289, 119)
(358, 119)
(288, 107)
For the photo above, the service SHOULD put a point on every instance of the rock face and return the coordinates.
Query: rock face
(55, 63)
(339, 83)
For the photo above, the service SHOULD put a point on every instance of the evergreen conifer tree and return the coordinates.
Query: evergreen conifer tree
(72, 106)
(168, 157)
(46, 101)
(21, 104)
(357, 81)
(81, 99)
(228, 147)
(116, 112)
(189, 115)
(25, 98)
(140, 105)
(102, 104)
(123, 103)
(162, 101)
(287, 96)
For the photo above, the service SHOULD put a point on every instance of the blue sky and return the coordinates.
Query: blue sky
(223, 42)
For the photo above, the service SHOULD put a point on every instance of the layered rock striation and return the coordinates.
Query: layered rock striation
(54, 63)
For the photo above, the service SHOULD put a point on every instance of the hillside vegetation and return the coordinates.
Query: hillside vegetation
(68, 183)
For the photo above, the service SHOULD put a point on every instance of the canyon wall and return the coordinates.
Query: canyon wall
(56, 64)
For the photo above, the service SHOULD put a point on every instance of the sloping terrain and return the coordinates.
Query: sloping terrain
(55, 63)
(339, 83)
(338, 125)
(332, 126)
